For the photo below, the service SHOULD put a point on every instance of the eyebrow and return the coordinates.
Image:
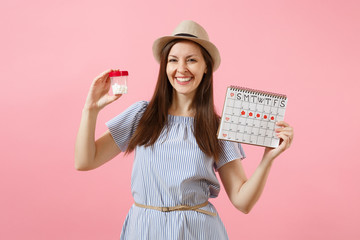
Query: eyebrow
(192, 55)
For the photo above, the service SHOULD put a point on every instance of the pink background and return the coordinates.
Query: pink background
(51, 51)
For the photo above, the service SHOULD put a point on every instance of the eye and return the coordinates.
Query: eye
(192, 60)
(172, 60)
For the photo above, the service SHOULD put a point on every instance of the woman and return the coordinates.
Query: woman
(174, 136)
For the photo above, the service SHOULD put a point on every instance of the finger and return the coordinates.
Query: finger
(290, 137)
(106, 72)
(287, 130)
(286, 141)
(103, 74)
(282, 123)
(114, 98)
(290, 129)
(283, 145)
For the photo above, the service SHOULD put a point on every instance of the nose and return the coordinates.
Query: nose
(182, 67)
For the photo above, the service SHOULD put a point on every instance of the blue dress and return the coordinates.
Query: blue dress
(172, 172)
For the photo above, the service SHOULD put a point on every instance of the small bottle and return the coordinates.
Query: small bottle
(118, 81)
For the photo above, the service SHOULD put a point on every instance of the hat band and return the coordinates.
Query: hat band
(185, 35)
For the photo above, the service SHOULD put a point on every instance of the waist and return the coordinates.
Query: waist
(179, 208)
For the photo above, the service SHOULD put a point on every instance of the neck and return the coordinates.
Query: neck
(182, 106)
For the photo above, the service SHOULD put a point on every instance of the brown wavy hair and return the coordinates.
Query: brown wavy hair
(155, 117)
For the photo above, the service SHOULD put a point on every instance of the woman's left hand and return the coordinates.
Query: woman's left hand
(286, 135)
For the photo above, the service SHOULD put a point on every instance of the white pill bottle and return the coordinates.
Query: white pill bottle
(119, 81)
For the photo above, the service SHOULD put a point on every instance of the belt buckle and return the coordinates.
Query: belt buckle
(165, 209)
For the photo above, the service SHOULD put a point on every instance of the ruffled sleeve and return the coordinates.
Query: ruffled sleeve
(123, 126)
(230, 151)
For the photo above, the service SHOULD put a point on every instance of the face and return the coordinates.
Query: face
(185, 67)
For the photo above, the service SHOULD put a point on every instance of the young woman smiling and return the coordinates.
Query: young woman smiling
(177, 151)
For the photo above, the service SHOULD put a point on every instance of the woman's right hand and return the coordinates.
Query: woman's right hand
(98, 96)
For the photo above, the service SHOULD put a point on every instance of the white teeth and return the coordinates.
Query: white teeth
(183, 79)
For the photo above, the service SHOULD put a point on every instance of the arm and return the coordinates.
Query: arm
(90, 154)
(243, 192)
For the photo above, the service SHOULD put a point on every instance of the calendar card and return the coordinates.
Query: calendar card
(249, 116)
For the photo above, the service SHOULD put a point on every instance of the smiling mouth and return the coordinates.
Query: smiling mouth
(183, 79)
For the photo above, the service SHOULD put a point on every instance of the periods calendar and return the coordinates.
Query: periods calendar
(249, 116)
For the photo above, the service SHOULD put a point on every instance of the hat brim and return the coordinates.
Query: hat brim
(160, 43)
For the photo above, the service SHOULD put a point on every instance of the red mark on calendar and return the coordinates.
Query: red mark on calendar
(224, 134)
(265, 116)
(243, 113)
(258, 115)
(272, 118)
(250, 114)
(227, 119)
(231, 94)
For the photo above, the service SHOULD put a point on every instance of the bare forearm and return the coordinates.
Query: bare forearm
(85, 148)
(244, 192)
(250, 192)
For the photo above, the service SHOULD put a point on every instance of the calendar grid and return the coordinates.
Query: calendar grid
(249, 116)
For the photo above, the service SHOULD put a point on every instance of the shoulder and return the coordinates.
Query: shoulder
(123, 126)
(139, 106)
(131, 114)
(229, 151)
(136, 109)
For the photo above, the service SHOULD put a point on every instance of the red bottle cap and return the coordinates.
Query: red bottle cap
(118, 73)
(115, 74)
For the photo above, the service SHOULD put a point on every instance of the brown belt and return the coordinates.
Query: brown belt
(179, 208)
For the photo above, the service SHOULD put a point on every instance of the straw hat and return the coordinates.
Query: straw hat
(192, 31)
